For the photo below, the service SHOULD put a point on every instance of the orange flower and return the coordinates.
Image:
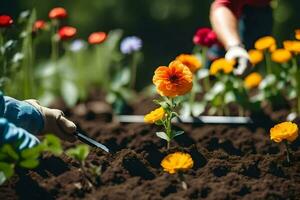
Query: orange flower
(66, 32)
(97, 37)
(39, 25)
(177, 161)
(297, 34)
(172, 81)
(265, 43)
(292, 46)
(57, 13)
(191, 61)
(281, 56)
(284, 131)
(155, 115)
(252, 80)
(256, 56)
(221, 65)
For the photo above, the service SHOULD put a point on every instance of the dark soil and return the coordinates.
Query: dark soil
(230, 162)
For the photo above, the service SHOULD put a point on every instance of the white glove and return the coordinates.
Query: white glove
(241, 56)
(55, 122)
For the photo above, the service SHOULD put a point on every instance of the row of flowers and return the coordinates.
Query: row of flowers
(109, 62)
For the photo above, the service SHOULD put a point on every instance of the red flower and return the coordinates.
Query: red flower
(39, 25)
(66, 32)
(5, 21)
(58, 13)
(97, 37)
(205, 37)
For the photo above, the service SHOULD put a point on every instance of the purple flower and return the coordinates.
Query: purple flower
(131, 44)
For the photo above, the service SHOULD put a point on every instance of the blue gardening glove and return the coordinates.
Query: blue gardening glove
(23, 115)
(10, 134)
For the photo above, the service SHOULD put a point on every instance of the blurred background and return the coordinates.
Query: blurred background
(165, 26)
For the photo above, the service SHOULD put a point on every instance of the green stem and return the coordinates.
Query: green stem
(168, 121)
(193, 95)
(297, 79)
(288, 152)
(268, 63)
(134, 64)
(2, 57)
(183, 183)
(241, 111)
(206, 80)
(55, 49)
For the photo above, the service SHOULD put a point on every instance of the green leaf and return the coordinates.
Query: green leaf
(9, 151)
(2, 178)
(80, 152)
(198, 108)
(229, 97)
(53, 144)
(30, 163)
(69, 92)
(185, 110)
(32, 153)
(7, 169)
(176, 133)
(159, 122)
(163, 136)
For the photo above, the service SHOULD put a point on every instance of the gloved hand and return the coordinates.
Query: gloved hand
(240, 55)
(55, 122)
(20, 138)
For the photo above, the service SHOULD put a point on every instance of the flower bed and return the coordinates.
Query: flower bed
(230, 162)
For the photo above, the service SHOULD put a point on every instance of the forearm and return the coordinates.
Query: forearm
(225, 24)
(22, 114)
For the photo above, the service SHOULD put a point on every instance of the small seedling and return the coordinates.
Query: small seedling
(27, 158)
(80, 153)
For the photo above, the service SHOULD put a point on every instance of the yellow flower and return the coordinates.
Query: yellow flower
(265, 43)
(177, 161)
(297, 34)
(191, 61)
(281, 56)
(155, 115)
(292, 46)
(256, 56)
(284, 131)
(252, 80)
(221, 65)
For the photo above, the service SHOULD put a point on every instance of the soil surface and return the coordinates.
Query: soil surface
(230, 162)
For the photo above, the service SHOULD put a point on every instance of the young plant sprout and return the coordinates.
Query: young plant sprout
(178, 162)
(285, 132)
(80, 153)
(171, 82)
(27, 158)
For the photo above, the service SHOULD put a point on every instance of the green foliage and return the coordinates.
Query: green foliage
(27, 158)
(79, 153)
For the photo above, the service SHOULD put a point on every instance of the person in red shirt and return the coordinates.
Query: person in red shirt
(238, 24)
